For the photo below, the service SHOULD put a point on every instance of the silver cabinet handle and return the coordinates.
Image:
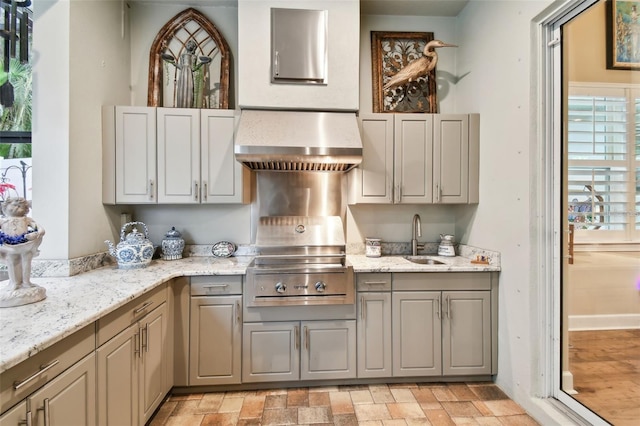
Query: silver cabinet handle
(437, 193)
(306, 337)
(438, 307)
(212, 286)
(238, 312)
(43, 369)
(136, 344)
(144, 333)
(28, 420)
(375, 282)
(151, 189)
(142, 308)
(448, 307)
(296, 337)
(45, 408)
(362, 307)
(204, 191)
(276, 64)
(195, 190)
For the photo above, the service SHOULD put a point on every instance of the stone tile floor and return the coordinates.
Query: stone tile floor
(379, 404)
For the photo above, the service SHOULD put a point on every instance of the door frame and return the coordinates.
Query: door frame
(548, 175)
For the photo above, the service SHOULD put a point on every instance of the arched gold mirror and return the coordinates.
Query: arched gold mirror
(189, 64)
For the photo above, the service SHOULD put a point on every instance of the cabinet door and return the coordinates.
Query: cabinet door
(417, 337)
(451, 158)
(413, 150)
(222, 175)
(135, 154)
(118, 379)
(17, 416)
(270, 351)
(178, 155)
(466, 332)
(69, 399)
(372, 180)
(215, 335)
(153, 364)
(374, 335)
(328, 350)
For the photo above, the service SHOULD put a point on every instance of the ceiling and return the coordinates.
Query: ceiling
(412, 7)
(367, 7)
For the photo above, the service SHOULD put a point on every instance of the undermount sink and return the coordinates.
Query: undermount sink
(424, 260)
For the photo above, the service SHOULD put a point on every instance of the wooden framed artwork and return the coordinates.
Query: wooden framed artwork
(390, 52)
(189, 63)
(623, 34)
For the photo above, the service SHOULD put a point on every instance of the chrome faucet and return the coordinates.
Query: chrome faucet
(416, 232)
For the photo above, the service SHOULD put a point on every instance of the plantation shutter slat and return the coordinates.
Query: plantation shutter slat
(599, 177)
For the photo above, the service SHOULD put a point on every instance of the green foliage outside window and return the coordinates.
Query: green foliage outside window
(18, 117)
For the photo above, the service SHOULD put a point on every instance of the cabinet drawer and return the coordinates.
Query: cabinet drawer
(124, 316)
(216, 284)
(40, 368)
(374, 281)
(412, 281)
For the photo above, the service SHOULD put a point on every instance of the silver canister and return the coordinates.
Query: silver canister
(172, 245)
(373, 247)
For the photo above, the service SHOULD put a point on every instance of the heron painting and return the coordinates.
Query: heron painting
(419, 67)
(404, 67)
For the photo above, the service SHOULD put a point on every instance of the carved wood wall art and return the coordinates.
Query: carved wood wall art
(390, 52)
(211, 61)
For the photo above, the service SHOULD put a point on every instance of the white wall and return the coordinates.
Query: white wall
(80, 64)
(50, 129)
(341, 89)
(443, 28)
(148, 18)
(496, 58)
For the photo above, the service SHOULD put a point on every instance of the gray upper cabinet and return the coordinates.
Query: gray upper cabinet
(417, 159)
(170, 156)
(298, 45)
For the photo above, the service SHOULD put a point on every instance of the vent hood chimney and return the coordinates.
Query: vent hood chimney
(282, 140)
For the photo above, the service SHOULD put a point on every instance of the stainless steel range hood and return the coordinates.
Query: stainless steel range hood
(298, 140)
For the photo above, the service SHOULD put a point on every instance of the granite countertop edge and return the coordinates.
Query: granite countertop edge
(75, 302)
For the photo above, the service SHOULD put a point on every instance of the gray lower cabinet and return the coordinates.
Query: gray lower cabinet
(448, 333)
(69, 399)
(466, 332)
(374, 324)
(215, 330)
(216, 338)
(298, 350)
(416, 333)
(133, 364)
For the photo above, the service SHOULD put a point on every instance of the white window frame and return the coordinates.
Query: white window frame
(584, 239)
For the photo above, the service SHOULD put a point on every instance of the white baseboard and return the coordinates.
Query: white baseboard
(567, 383)
(603, 322)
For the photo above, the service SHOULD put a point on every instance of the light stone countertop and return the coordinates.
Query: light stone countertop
(362, 263)
(75, 302)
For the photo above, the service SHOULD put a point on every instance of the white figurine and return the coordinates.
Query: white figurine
(20, 237)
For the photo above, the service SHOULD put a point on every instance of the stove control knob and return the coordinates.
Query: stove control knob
(320, 287)
(281, 287)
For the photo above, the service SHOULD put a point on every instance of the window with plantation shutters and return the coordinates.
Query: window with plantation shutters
(603, 158)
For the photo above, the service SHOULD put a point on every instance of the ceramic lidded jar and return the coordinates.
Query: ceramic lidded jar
(172, 245)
